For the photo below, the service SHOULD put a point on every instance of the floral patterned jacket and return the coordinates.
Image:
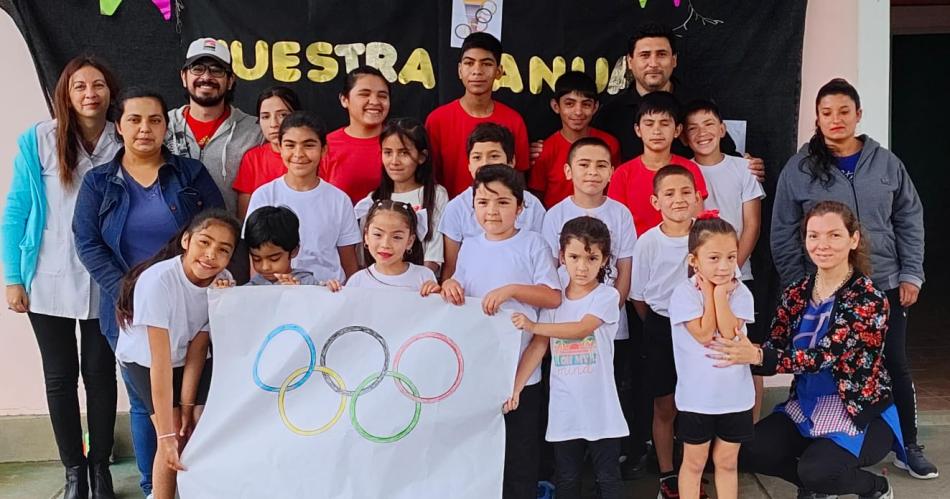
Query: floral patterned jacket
(853, 347)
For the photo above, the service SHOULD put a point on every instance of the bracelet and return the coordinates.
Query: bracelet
(167, 435)
(760, 355)
(185, 405)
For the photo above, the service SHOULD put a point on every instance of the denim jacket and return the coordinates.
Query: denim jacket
(102, 209)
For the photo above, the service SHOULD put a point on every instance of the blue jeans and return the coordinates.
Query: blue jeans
(144, 439)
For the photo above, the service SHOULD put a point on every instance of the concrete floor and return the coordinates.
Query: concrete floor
(45, 480)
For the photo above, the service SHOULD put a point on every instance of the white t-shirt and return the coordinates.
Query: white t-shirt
(326, 223)
(165, 298)
(435, 247)
(659, 265)
(484, 266)
(459, 223)
(584, 402)
(700, 386)
(730, 185)
(623, 237)
(413, 278)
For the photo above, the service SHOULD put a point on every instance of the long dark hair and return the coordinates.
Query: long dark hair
(411, 131)
(859, 258)
(124, 305)
(820, 159)
(415, 253)
(67, 126)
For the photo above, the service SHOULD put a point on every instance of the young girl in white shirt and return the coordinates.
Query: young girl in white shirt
(714, 403)
(162, 311)
(584, 414)
(393, 240)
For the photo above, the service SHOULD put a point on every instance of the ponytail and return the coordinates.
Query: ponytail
(820, 161)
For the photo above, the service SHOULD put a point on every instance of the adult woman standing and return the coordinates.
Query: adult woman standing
(829, 330)
(127, 209)
(45, 279)
(855, 170)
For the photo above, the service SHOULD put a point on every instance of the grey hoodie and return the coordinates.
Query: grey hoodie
(882, 196)
(223, 153)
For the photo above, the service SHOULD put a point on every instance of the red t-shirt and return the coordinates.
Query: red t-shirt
(204, 130)
(547, 174)
(352, 164)
(449, 127)
(632, 185)
(259, 166)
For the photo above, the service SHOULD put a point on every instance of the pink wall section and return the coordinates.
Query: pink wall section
(831, 39)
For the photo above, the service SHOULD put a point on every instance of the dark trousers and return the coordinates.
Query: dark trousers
(569, 466)
(895, 360)
(522, 446)
(817, 464)
(636, 399)
(62, 364)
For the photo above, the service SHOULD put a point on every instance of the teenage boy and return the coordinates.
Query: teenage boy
(657, 126)
(489, 143)
(449, 125)
(659, 260)
(575, 102)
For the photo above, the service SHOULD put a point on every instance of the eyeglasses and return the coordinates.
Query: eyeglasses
(215, 70)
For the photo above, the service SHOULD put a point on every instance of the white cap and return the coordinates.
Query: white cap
(207, 47)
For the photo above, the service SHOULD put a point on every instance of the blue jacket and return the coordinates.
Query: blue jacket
(25, 215)
(102, 209)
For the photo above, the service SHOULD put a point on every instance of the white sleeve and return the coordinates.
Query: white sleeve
(151, 303)
(546, 316)
(604, 304)
(686, 303)
(537, 220)
(751, 188)
(257, 200)
(435, 248)
(551, 232)
(356, 280)
(640, 275)
(452, 220)
(349, 229)
(627, 234)
(742, 303)
(544, 271)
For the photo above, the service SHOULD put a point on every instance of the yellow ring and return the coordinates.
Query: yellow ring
(283, 391)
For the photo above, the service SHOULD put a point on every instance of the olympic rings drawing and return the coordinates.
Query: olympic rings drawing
(405, 386)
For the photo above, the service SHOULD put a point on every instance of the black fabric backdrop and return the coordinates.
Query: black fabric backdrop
(746, 54)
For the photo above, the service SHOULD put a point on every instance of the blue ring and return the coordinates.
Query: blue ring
(260, 351)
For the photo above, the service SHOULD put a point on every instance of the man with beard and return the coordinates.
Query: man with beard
(208, 128)
(211, 130)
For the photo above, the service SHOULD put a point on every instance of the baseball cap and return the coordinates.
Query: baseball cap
(207, 47)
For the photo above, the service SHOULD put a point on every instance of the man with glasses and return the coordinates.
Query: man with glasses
(209, 128)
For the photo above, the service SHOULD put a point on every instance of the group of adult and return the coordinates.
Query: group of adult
(71, 232)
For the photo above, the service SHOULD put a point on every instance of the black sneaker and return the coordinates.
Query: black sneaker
(807, 494)
(634, 468)
(888, 493)
(917, 463)
(669, 488)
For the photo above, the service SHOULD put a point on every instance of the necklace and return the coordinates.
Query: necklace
(820, 297)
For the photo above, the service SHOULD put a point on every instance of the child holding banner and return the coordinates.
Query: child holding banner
(352, 158)
(510, 268)
(162, 310)
(328, 230)
(584, 410)
(393, 237)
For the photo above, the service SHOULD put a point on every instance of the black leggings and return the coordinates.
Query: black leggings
(523, 435)
(817, 464)
(62, 363)
(569, 467)
(895, 360)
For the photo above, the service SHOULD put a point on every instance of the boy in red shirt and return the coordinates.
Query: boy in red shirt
(575, 101)
(658, 124)
(450, 125)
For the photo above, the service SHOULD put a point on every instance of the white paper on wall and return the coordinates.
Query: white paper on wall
(471, 16)
(345, 428)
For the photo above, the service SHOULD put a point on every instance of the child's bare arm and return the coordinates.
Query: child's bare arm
(751, 225)
(348, 259)
(642, 308)
(622, 281)
(703, 329)
(530, 360)
(725, 318)
(565, 330)
(535, 295)
(451, 248)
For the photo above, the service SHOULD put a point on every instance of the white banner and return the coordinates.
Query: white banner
(358, 394)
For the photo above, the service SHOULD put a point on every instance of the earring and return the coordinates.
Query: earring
(409, 251)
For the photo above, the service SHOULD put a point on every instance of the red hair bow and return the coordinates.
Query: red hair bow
(708, 215)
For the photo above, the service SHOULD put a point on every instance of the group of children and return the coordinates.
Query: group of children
(564, 275)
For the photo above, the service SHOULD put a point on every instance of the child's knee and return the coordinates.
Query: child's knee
(726, 456)
(694, 458)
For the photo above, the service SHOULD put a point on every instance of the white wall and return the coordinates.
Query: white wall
(842, 38)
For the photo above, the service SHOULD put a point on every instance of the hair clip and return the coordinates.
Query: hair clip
(708, 215)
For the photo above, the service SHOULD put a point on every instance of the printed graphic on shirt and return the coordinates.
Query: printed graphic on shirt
(574, 357)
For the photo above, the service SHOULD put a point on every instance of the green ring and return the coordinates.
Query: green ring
(392, 438)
